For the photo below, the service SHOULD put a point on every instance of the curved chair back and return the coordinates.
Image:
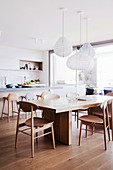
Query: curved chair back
(26, 106)
(109, 94)
(44, 93)
(51, 96)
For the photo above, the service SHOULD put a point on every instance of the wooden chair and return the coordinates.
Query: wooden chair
(41, 96)
(95, 121)
(34, 124)
(109, 104)
(29, 96)
(51, 96)
(12, 97)
(71, 96)
(98, 110)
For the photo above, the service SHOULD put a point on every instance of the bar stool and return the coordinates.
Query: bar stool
(12, 97)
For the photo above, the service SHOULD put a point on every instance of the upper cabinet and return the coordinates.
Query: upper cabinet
(31, 65)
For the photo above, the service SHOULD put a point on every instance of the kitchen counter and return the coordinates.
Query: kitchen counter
(30, 88)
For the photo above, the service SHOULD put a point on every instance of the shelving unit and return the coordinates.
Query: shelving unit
(31, 65)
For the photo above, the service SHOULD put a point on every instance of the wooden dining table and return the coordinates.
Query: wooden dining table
(60, 111)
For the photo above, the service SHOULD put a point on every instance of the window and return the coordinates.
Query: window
(104, 57)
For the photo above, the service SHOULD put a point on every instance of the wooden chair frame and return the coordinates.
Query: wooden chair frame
(105, 126)
(33, 129)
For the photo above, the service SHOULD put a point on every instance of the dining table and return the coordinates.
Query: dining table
(60, 112)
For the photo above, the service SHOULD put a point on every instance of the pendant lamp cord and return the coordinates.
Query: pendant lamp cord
(80, 26)
(86, 29)
(63, 23)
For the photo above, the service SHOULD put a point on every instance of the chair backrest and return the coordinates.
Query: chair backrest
(104, 104)
(12, 96)
(110, 102)
(109, 94)
(44, 93)
(51, 96)
(26, 106)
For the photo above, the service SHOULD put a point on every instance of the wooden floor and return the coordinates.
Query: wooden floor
(90, 155)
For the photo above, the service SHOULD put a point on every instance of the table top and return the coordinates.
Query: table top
(63, 104)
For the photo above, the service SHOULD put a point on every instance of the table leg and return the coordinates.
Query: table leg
(62, 125)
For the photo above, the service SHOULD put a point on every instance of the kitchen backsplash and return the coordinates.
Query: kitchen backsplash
(17, 76)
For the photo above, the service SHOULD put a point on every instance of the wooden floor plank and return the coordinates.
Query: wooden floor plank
(90, 155)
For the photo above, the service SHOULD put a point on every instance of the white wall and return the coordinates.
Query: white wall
(9, 56)
(9, 64)
(44, 75)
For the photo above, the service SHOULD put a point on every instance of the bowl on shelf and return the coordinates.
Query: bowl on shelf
(18, 86)
(9, 85)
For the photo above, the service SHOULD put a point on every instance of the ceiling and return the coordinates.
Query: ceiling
(37, 24)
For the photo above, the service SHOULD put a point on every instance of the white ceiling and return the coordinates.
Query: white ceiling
(22, 21)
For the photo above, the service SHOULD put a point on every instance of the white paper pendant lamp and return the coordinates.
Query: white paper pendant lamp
(80, 61)
(87, 49)
(62, 47)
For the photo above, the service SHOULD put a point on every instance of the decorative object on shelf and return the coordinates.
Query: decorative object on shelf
(9, 85)
(37, 81)
(31, 65)
(18, 86)
(62, 47)
(87, 47)
(80, 61)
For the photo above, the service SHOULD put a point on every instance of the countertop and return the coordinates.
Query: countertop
(30, 89)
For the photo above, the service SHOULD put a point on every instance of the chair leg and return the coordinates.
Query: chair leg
(16, 138)
(108, 127)
(80, 133)
(36, 136)
(32, 133)
(17, 129)
(75, 115)
(3, 108)
(53, 138)
(108, 132)
(86, 131)
(32, 144)
(77, 119)
(12, 110)
(92, 130)
(8, 112)
(105, 137)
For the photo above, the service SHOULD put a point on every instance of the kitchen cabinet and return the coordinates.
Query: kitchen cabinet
(31, 65)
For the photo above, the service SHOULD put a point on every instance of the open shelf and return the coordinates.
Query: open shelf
(31, 65)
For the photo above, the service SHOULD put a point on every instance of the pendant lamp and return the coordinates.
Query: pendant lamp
(87, 47)
(62, 47)
(80, 60)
